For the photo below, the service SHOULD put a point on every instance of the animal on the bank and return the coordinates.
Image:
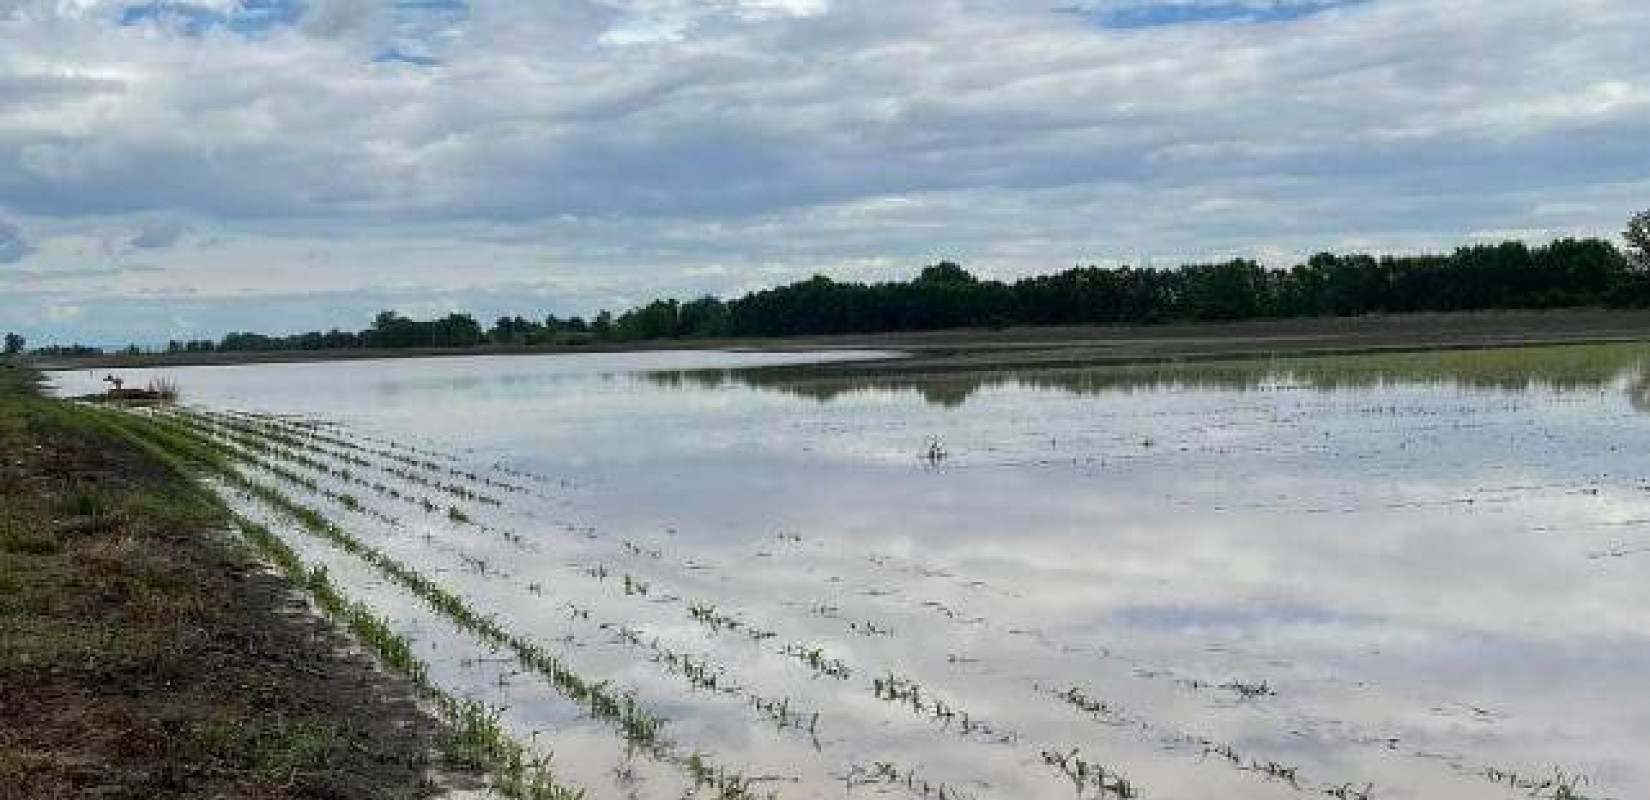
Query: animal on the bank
(118, 390)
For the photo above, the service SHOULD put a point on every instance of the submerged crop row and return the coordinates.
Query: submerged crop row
(411, 466)
(700, 674)
(648, 587)
(296, 444)
(697, 671)
(475, 738)
(635, 723)
(900, 692)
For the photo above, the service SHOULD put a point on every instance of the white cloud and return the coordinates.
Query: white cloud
(632, 144)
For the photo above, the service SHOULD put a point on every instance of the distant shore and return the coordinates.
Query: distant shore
(1044, 347)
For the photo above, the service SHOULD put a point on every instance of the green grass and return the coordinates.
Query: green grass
(26, 538)
(276, 752)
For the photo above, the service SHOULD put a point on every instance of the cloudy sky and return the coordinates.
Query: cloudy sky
(172, 169)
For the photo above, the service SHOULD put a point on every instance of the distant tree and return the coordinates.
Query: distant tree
(454, 330)
(945, 272)
(1638, 240)
(659, 319)
(515, 330)
(390, 329)
(70, 350)
(706, 316)
(1566, 272)
(15, 344)
(1233, 290)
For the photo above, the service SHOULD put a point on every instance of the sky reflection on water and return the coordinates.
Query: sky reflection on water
(1398, 570)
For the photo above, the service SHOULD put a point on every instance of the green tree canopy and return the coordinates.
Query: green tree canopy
(1567, 272)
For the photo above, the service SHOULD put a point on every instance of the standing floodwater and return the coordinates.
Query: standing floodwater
(1397, 576)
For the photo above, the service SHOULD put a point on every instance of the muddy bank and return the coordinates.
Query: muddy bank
(954, 352)
(144, 653)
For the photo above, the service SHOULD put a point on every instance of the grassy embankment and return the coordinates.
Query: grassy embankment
(146, 653)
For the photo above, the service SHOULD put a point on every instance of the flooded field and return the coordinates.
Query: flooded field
(1397, 576)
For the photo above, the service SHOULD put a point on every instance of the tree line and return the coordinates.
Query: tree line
(1511, 275)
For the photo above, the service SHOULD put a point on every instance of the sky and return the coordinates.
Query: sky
(182, 169)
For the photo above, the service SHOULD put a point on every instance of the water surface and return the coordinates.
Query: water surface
(1396, 576)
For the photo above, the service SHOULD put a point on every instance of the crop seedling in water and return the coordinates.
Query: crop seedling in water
(635, 723)
(726, 785)
(1273, 769)
(869, 628)
(780, 712)
(1561, 786)
(886, 773)
(708, 615)
(816, 660)
(935, 453)
(1347, 791)
(475, 738)
(1112, 715)
(1249, 691)
(1087, 775)
(1094, 706)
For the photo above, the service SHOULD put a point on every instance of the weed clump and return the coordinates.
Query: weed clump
(19, 539)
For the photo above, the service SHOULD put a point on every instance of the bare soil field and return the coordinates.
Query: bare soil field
(1060, 346)
(1070, 347)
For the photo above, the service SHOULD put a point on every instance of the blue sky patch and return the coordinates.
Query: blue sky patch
(418, 28)
(1157, 15)
(450, 6)
(396, 55)
(249, 17)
